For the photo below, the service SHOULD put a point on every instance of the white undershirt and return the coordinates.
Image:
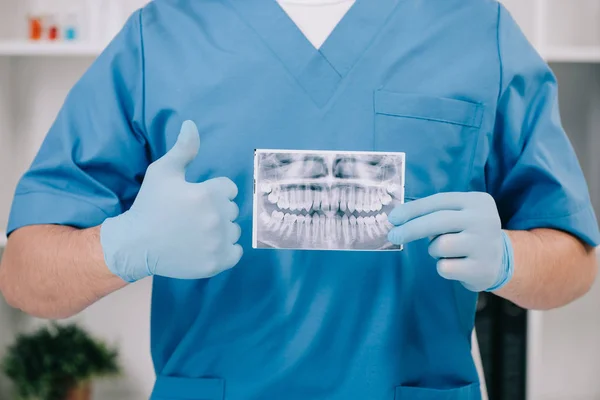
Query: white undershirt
(316, 19)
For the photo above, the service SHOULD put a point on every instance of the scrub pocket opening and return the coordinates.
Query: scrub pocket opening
(439, 136)
(470, 392)
(173, 388)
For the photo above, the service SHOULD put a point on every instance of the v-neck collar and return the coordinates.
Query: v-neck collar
(318, 71)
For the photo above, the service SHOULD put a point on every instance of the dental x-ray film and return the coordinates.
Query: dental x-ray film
(325, 200)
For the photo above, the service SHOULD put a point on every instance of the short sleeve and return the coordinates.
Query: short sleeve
(92, 160)
(533, 172)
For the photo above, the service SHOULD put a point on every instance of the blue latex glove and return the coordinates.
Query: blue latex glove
(468, 240)
(175, 228)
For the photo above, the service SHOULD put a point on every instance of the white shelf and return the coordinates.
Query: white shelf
(574, 54)
(21, 48)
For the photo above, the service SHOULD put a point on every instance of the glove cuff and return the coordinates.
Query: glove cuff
(508, 264)
(113, 240)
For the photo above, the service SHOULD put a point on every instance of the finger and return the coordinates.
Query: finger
(185, 149)
(418, 208)
(450, 245)
(223, 186)
(234, 234)
(233, 256)
(456, 269)
(437, 223)
(232, 211)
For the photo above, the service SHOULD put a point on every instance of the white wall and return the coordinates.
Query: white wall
(6, 141)
(573, 24)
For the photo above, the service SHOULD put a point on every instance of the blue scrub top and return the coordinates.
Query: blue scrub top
(453, 83)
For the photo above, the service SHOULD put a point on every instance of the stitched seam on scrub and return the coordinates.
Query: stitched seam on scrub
(472, 161)
(374, 38)
(143, 60)
(581, 208)
(432, 119)
(65, 195)
(498, 48)
(270, 50)
(373, 103)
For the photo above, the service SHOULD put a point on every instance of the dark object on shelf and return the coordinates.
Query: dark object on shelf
(57, 363)
(502, 336)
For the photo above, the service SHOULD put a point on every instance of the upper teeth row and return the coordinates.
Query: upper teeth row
(351, 199)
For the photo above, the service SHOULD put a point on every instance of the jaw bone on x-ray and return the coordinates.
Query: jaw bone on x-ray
(325, 200)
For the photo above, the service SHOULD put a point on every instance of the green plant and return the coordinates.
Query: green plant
(46, 364)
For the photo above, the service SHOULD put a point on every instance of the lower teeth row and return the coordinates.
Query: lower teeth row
(318, 227)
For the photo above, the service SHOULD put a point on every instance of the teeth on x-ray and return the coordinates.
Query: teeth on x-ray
(345, 199)
(326, 200)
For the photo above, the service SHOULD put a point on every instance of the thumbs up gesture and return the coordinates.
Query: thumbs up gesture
(175, 228)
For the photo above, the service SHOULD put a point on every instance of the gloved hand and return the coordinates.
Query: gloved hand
(467, 237)
(175, 228)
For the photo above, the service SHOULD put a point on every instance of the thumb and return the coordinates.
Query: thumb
(185, 149)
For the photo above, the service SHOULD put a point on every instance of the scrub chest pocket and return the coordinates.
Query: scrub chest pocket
(470, 392)
(439, 136)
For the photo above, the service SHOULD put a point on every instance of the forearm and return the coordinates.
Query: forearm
(552, 269)
(55, 272)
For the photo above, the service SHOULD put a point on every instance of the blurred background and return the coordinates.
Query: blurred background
(46, 45)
